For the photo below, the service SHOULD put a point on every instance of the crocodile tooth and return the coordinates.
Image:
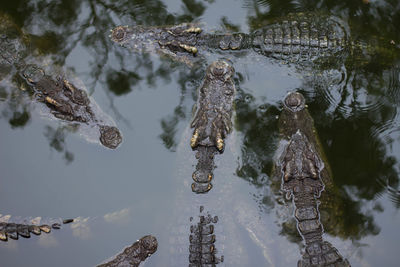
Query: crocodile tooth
(68, 221)
(52, 101)
(194, 30)
(220, 142)
(189, 48)
(23, 231)
(69, 86)
(194, 139)
(34, 229)
(3, 236)
(287, 172)
(45, 228)
(56, 226)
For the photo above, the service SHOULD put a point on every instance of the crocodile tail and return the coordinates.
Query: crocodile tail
(317, 251)
(13, 230)
(134, 254)
(202, 251)
(203, 174)
(322, 254)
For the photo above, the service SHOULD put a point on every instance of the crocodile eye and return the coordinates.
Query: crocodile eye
(33, 73)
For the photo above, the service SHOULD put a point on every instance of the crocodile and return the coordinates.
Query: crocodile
(14, 230)
(134, 254)
(230, 229)
(68, 102)
(63, 98)
(298, 37)
(303, 173)
(212, 121)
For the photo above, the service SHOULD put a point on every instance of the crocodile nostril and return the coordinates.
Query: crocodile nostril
(118, 34)
(217, 71)
(295, 101)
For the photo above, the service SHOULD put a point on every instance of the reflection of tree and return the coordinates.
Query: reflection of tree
(15, 110)
(56, 139)
(55, 29)
(341, 214)
(188, 82)
(347, 127)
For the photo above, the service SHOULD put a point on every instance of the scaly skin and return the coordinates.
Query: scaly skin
(302, 169)
(212, 121)
(14, 230)
(202, 238)
(134, 254)
(298, 37)
(63, 98)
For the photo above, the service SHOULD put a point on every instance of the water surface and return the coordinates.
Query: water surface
(121, 195)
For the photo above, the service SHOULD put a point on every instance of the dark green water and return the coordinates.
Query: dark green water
(47, 170)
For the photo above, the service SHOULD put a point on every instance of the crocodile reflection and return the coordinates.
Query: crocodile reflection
(63, 98)
(212, 121)
(135, 254)
(303, 171)
(9, 229)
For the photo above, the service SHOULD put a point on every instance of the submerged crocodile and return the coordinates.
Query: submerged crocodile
(298, 37)
(63, 98)
(202, 250)
(134, 254)
(304, 173)
(14, 230)
(212, 121)
(68, 102)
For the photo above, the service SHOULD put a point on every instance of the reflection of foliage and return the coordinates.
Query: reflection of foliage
(120, 82)
(347, 125)
(194, 7)
(188, 83)
(19, 119)
(341, 214)
(57, 28)
(15, 110)
(346, 128)
(258, 146)
(169, 126)
(229, 26)
(57, 140)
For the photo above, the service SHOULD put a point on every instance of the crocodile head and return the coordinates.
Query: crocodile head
(178, 41)
(212, 121)
(65, 101)
(301, 167)
(299, 160)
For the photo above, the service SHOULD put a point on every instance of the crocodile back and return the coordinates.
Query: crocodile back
(302, 37)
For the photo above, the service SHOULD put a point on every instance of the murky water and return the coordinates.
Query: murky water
(48, 170)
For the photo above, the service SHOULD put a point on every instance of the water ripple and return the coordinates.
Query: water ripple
(392, 192)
